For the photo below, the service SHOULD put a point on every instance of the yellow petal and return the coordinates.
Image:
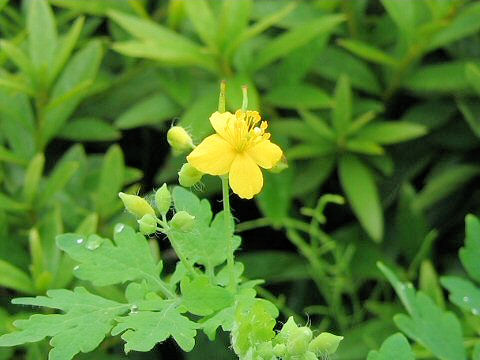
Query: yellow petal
(220, 122)
(245, 176)
(266, 154)
(213, 156)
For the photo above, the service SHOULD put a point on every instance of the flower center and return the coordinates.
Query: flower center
(246, 130)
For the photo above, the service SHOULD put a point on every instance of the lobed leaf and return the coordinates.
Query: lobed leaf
(87, 320)
(103, 262)
(394, 347)
(142, 330)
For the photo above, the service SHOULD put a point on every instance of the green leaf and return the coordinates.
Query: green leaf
(275, 199)
(99, 8)
(444, 184)
(205, 244)
(472, 72)
(153, 110)
(234, 19)
(432, 113)
(332, 62)
(10, 157)
(342, 110)
(403, 14)
(301, 95)
(9, 204)
(200, 297)
(81, 69)
(42, 34)
(464, 24)
(19, 58)
(437, 330)
(19, 130)
(364, 147)
(294, 38)
(204, 22)
(310, 151)
(444, 77)
(147, 328)
(13, 278)
(359, 186)
(111, 179)
(463, 293)
(87, 320)
(65, 48)
(390, 132)
(368, 52)
(471, 113)
(395, 347)
(470, 253)
(57, 180)
(194, 118)
(159, 43)
(103, 262)
(89, 129)
(33, 175)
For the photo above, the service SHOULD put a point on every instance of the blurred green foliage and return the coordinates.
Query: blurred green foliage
(384, 92)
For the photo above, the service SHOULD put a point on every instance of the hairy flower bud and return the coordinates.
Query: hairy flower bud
(325, 343)
(179, 139)
(182, 221)
(280, 166)
(298, 340)
(163, 199)
(188, 175)
(136, 205)
(147, 224)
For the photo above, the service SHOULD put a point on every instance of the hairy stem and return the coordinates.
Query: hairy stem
(229, 232)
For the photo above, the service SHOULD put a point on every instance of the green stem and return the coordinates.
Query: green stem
(229, 232)
(183, 259)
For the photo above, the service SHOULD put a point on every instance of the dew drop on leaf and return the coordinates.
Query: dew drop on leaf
(466, 299)
(94, 243)
(134, 309)
(475, 312)
(79, 241)
(119, 228)
(76, 268)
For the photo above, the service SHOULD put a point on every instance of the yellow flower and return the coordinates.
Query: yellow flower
(239, 147)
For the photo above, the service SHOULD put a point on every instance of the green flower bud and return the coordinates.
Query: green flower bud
(179, 139)
(163, 199)
(325, 343)
(188, 175)
(287, 329)
(265, 350)
(147, 224)
(297, 343)
(182, 221)
(310, 356)
(279, 350)
(136, 205)
(280, 166)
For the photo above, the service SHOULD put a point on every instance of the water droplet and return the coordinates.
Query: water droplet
(466, 299)
(94, 243)
(76, 268)
(134, 309)
(119, 228)
(79, 241)
(475, 311)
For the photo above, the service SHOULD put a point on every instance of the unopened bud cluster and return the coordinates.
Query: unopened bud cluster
(146, 214)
